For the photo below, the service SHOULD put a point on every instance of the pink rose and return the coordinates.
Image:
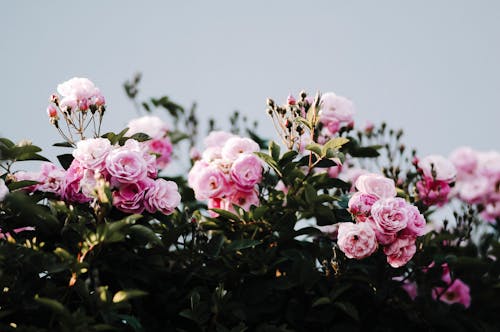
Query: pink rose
(360, 205)
(162, 196)
(437, 165)
(416, 222)
(334, 106)
(243, 199)
(51, 178)
(71, 188)
(210, 182)
(162, 149)
(400, 251)
(246, 172)
(79, 92)
(217, 139)
(126, 165)
(474, 190)
(433, 192)
(457, 292)
(377, 185)
(382, 238)
(356, 240)
(235, 146)
(334, 171)
(464, 159)
(150, 125)
(92, 152)
(390, 215)
(129, 197)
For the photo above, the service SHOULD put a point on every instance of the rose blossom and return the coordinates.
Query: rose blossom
(464, 159)
(210, 182)
(390, 214)
(150, 125)
(217, 139)
(356, 240)
(377, 185)
(130, 196)
(162, 196)
(474, 190)
(162, 149)
(360, 205)
(243, 199)
(457, 292)
(51, 178)
(79, 92)
(443, 169)
(416, 222)
(92, 152)
(334, 106)
(433, 192)
(235, 146)
(400, 251)
(126, 165)
(3, 190)
(71, 188)
(246, 172)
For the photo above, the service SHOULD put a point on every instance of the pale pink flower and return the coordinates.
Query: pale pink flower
(79, 92)
(382, 238)
(194, 154)
(243, 199)
(210, 182)
(457, 292)
(126, 165)
(360, 205)
(474, 189)
(211, 153)
(356, 240)
(390, 214)
(150, 125)
(235, 146)
(28, 176)
(3, 190)
(280, 186)
(351, 174)
(195, 172)
(464, 159)
(334, 171)
(129, 197)
(491, 211)
(162, 149)
(92, 152)
(51, 178)
(411, 289)
(246, 172)
(377, 185)
(433, 192)
(489, 165)
(400, 251)
(89, 183)
(71, 189)
(334, 106)
(162, 196)
(437, 165)
(217, 139)
(416, 225)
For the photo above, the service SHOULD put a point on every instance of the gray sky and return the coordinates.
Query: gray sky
(430, 67)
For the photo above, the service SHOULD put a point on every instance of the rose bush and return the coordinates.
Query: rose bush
(332, 228)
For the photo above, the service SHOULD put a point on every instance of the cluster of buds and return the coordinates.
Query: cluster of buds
(294, 119)
(80, 103)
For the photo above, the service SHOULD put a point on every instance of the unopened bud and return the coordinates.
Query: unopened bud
(303, 94)
(52, 111)
(288, 124)
(291, 100)
(270, 102)
(99, 100)
(54, 99)
(83, 105)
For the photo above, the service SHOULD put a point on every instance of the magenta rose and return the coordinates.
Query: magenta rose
(71, 188)
(377, 185)
(162, 149)
(356, 240)
(457, 292)
(390, 215)
(433, 192)
(129, 197)
(246, 172)
(162, 196)
(400, 251)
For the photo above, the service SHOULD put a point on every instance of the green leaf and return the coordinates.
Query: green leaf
(274, 150)
(321, 301)
(270, 161)
(125, 295)
(348, 308)
(310, 194)
(226, 214)
(241, 244)
(63, 144)
(145, 233)
(335, 143)
(304, 122)
(314, 147)
(140, 137)
(21, 184)
(214, 245)
(7, 142)
(54, 305)
(65, 160)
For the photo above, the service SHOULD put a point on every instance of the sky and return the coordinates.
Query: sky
(429, 67)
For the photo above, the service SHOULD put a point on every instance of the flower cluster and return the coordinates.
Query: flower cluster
(438, 173)
(478, 179)
(381, 219)
(159, 144)
(130, 171)
(228, 172)
(81, 104)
